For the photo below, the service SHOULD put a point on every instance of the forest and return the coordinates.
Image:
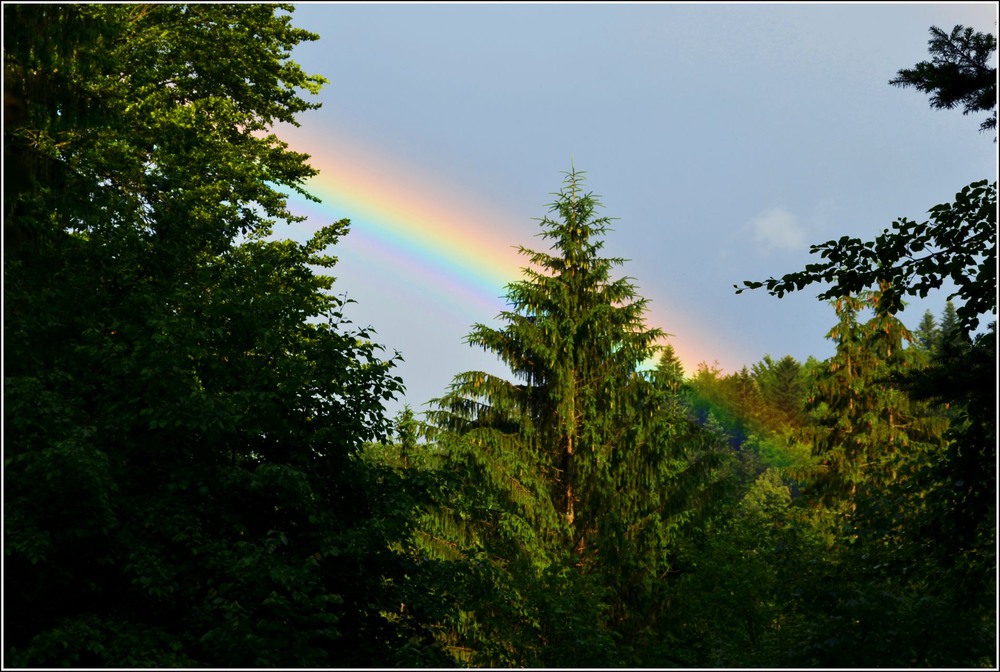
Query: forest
(199, 470)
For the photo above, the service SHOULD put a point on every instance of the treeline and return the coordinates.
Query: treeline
(800, 524)
(199, 471)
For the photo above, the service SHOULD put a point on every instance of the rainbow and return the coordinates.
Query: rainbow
(459, 253)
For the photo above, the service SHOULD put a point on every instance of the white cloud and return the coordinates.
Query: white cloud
(777, 229)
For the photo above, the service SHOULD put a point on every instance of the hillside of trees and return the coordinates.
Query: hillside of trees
(199, 470)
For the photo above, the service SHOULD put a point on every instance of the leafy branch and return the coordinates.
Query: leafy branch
(960, 237)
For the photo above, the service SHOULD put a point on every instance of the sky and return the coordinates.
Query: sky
(722, 139)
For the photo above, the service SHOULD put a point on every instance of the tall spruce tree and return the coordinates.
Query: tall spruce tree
(866, 422)
(580, 461)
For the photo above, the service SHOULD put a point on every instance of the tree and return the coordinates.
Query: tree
(907, 576)
(959, 73)
(118, 104)
(958, 242)
(671, 369)
(576, 466)
(959, 494)
(951, 337)
(735, 599)
(728, 404)
(782, 387)
(927, 333)
(950, 498)
(865, 422)
(182, 392)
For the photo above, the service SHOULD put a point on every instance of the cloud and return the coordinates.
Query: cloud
(777, 229)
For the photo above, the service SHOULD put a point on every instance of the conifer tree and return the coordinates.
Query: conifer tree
(866, 421)
(959, 73)
(878, 490)
(669, 375)
(670, 369)
(927, 333)
(782, 387)
(578, 461)
(952, 340)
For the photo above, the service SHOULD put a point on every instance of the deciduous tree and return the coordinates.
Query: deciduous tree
(182, 392)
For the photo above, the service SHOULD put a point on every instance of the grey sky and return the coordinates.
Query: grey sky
(724, 138)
